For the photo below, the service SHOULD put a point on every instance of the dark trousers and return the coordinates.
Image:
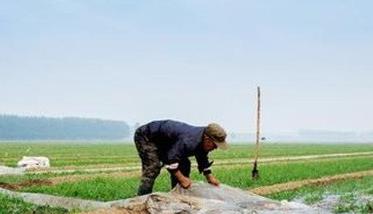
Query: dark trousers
(151, 164)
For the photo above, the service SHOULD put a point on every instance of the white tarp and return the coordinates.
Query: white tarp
(204, 198)
(33, 162)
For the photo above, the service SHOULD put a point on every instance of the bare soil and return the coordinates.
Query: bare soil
(17, 186)
(293, 185)
(74, 178)
(114, 210)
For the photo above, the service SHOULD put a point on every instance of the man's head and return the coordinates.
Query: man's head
(214, 137)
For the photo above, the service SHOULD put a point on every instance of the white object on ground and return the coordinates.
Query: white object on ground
(33, 162)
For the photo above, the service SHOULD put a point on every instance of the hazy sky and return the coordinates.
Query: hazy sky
(195, 61)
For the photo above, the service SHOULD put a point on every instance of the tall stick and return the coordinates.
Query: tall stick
(255, 171)
(257, 126)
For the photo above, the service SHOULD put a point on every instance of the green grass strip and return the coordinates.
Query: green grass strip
(106, 189)
(12, 205)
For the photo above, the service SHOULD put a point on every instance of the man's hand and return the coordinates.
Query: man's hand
(184, 182)
(212, 180)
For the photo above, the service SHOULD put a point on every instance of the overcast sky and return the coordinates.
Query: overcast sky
(195, 61)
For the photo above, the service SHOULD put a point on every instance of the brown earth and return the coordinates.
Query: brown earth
(73, 178)
(293, 185)
(17, 186)
(114, 211)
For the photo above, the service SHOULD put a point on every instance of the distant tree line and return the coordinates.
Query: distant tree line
(68, 128)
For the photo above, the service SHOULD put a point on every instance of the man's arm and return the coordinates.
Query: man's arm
(204, 166)
(173, 157)
(212, 180)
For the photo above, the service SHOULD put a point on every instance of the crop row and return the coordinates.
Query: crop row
(62, 155)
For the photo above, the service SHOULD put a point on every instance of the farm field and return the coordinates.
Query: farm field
(15, 205)
(79, 154)
(232, 167)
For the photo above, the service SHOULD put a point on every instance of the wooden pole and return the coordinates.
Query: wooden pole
(255, 171)
(257, 125)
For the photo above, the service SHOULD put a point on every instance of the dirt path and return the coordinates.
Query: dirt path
(17, 186)
(293, 185)
(127, 174)
(74, 178)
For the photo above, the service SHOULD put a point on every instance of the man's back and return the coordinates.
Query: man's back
(168, 132)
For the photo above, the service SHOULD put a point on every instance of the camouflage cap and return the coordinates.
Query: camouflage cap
(217, 134)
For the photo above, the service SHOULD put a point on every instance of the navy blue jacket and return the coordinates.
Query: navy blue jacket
(177, 141)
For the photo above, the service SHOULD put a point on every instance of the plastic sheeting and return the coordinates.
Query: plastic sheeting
(204, 198)
(201, 198)
(4, 170)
